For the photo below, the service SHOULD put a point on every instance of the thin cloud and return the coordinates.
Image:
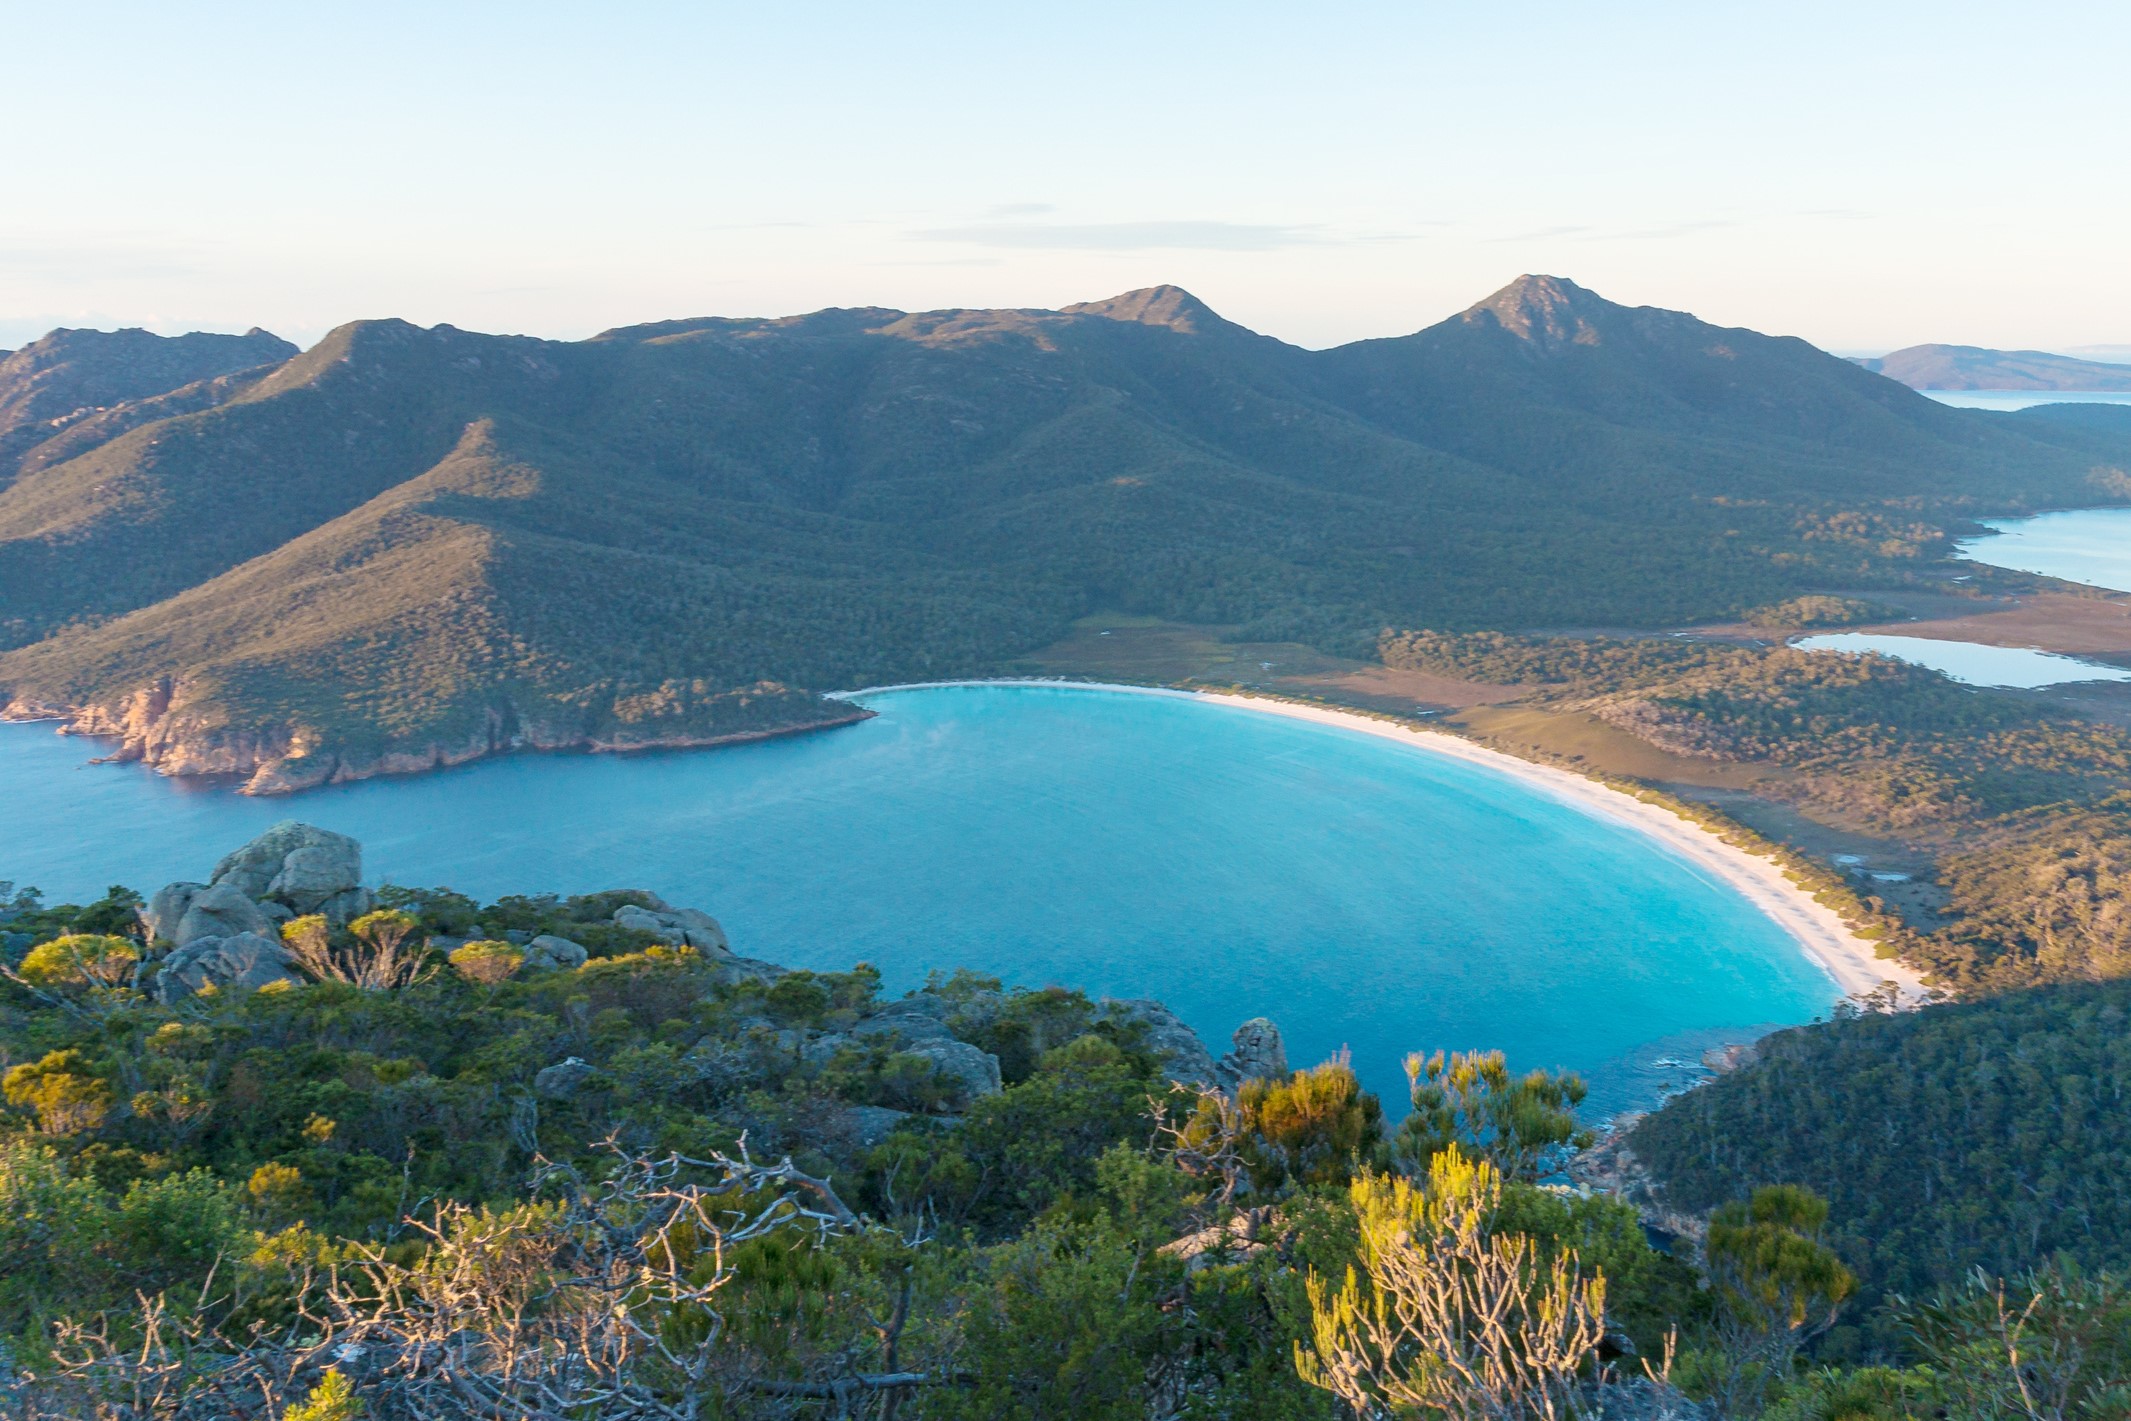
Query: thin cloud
(86, 264)
(942, 261)
(1021, 209)
(1661, 233)
(1541, 234)
(1128, 236)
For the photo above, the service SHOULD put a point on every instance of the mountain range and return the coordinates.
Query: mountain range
(1971, 367)
(406, 547)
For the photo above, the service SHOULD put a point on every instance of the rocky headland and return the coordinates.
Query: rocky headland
(162, 727)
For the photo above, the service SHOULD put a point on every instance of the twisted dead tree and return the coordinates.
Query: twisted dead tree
(600, 1300)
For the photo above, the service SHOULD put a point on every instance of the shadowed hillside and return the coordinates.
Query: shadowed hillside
(408, 546)
(1969, 367)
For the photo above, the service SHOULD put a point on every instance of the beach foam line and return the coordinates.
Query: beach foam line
(1849, 961)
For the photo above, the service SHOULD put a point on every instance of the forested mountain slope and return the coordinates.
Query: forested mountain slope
(1988, 1134)
(407, 545)
(71, 377)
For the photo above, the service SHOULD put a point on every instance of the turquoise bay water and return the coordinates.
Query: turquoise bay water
(2090, 545)
(1361, 893)
(1972, 662)
(2025, 399)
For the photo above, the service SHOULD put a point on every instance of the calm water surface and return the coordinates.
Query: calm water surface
(2026, 399)
(2090, 545)
(1361, 893)
(1971, 662)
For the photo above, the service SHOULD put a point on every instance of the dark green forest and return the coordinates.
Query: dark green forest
(1983, 1135)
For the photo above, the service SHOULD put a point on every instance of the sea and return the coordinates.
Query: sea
(1371, 898)
(2089, 545)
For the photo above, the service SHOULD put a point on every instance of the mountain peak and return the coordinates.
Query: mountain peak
(1549, 311)
(1170, 306)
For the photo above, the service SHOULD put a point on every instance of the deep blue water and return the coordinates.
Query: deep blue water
(1362, 893)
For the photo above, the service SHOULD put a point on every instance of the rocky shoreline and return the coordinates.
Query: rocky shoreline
(152, 728)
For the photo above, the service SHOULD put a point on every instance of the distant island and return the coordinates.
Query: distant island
(406, 548)
(1970, 367)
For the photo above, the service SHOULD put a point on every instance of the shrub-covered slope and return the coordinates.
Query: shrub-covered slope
(53, 387)
(866, 495)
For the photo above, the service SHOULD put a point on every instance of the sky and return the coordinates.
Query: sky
(1866, 175)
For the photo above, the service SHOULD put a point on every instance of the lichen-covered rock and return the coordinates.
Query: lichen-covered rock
(1184, 1056)
(864, 1126)
(315, 872)
(548, 953)
(240, 962)
(975, 1071)
(704, 932)
(1242, 1236)
(167, 909)
(642, 920)
(220, 910)
(898, 1024)
(730, 971)
(680, 927)
(343, 907)
(563, 1079)
(1256, 1054)
(299, 864)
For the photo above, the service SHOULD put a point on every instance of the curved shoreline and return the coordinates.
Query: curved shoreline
(1827, 941)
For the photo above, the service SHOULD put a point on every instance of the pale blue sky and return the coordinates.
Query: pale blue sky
(1861, 174)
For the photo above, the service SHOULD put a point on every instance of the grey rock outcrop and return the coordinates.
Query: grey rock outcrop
(1243, 1236)
(1256, 1054)
(902, 1026)
(976, 1071)
(167, 909)
(309, 869)
(733, 970)
(548, 953)
(563, 1079)
(240, 962)
(676, 926)
(1185, 1058)
(865, 1126)
(921, 1004)
(219, 910)
(316, 873)
(343, 907)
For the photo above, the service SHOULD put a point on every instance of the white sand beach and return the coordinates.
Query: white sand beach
(1847, 958)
